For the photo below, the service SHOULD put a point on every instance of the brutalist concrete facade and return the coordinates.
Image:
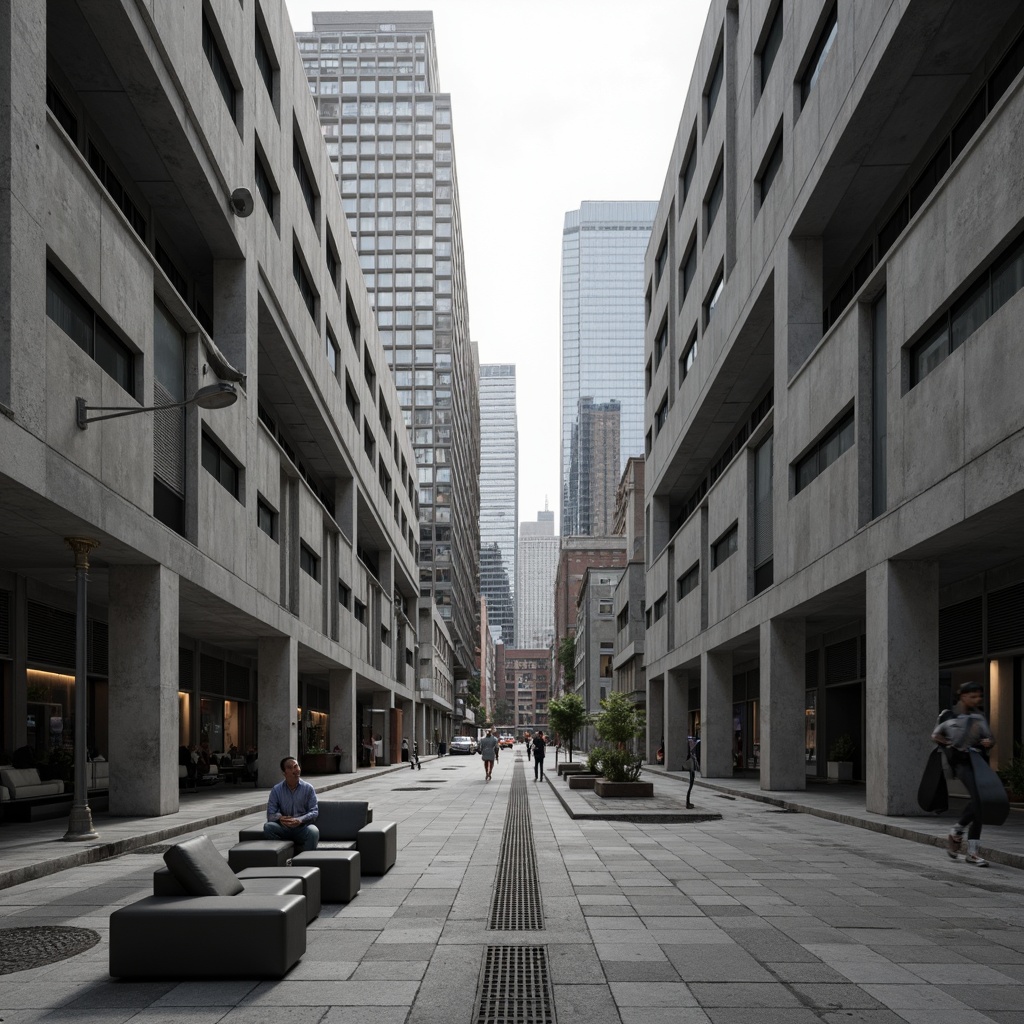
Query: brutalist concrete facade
(262, 555)
(835, 431)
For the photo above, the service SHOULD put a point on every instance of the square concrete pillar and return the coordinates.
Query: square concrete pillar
(277, 680)
(902, 681)
(655, 715)
(143, 690)
(783, 643)
(677, 710)
(342, 685)
(716, 714)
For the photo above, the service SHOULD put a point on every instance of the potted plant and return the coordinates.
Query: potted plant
(840, 758)
(1012, 775)
(592, 770)
(317, 761)
(566, 716)
(619, 724)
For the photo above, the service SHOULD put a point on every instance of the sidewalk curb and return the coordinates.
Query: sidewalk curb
(1012, 860)
(635, 817)
(91, 854)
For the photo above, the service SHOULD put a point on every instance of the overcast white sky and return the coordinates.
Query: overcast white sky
(553, 102)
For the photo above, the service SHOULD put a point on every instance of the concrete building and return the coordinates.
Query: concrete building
(499, 495)
(528, 688)
(628, 604)
(255, 580)
(833, 289)
(436, 683)
(602, 339)
(388, 131)
(535, 587)
(594, 467)
(595, 639)
(576, 556)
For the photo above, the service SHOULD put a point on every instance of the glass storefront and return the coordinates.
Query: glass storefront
(811, 731)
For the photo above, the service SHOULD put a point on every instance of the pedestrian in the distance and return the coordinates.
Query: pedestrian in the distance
(529, 745)
(414, 756)
(960, 730)
(489, 748)
(540, 742)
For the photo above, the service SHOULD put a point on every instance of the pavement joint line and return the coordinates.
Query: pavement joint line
(1004, 857)
(92, 854)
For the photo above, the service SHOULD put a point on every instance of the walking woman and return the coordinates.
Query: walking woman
(961, 729)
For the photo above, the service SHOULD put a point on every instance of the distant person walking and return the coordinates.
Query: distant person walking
(414, 756)
(961, 730)
(540, 743)
(529, 746)
(489, 748)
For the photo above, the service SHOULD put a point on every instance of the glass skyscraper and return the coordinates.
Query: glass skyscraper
(499, 496)
(388, 131)
(603, 248)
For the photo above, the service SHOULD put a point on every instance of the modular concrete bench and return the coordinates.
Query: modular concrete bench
(163, 936)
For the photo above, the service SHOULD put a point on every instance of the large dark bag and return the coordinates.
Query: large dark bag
(995, 804)
(932, 794)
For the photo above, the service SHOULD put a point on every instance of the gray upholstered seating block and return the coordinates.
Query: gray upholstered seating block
(337, 844)
(200, 869)
(339, 872)
(290, 883)
(266, 853)
(341, 819)
(166, 938)
(308, 878)
(378, 846)
(250, 835)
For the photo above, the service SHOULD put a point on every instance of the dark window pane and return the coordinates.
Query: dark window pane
(771, 168)
(68, 311)
(1008, 277)
(1009, 68)
(929, 352)
(715, 86)
(772, 42)
(689, 170)
(715, 198)
(825, 40)
(968, 124)
(969, 313)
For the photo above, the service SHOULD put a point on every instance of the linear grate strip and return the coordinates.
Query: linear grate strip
(516, 903)
(515, 986)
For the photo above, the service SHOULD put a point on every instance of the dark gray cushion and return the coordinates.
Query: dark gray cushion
(341, 819)
(201, 870)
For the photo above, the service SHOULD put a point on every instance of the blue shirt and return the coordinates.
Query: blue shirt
(288, 803)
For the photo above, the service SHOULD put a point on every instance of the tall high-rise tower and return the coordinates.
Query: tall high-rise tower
(499, 501)
(603, 247)
(535, 594)
(388, 130)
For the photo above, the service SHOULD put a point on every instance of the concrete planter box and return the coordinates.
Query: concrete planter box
(842, 771)
(568, 767)
(604, 788)
(321, 764)
(582, 780)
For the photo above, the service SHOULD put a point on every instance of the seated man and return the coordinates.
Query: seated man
(292, 809)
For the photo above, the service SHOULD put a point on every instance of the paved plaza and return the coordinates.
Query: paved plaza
(759, 916)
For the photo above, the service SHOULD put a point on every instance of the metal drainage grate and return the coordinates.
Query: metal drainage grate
(412, 789)
(21, 949)
(516, 904)
(515, 987)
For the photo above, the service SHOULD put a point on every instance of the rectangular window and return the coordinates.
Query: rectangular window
(333, 263)
(359, 610)
(659, 607)
(661, 416)
(305, 286)
(304, 179)
(76, 318)
(825, 452)
(309, 561)
(688, 271)
(816, 61)
(344, 594)
(352, 322)
(771, 45)
(219, 67)
(660, 344)
(266, 518)
(659, 262)
(333, 352)
(770, 170)
(763, 516)
(219, 465)
(689, 356)
(714, 88)
(351, 401)
(725, 546)
(714, 200)
(60, 110)
(714, 295)
(687, 173)
(264, 186)
(688, 582)
(264, 63)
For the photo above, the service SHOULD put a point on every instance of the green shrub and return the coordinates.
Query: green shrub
(621, 765)
(594, 759)
(842, 749)
(1013, 773)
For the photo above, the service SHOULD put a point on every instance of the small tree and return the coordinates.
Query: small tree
(620, 722)
(567, 715)
(567, 659)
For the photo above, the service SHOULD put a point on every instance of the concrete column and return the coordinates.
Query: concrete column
(902, 680)
(342, 685)
(143, 690)
(1000, 710)
(783, 642)
(655, 715)
(716, 714)
(677, 711)
(277, 675)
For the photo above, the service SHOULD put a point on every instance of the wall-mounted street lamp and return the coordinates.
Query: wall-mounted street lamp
(213, 396)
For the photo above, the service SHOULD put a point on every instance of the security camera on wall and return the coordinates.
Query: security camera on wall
(241, 202)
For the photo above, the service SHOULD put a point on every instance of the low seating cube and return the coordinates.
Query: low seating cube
(339, 872)
(161, 937)
(265, 853)
(251, 835)
(378, 846)
(289, 883)
(309, 877)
